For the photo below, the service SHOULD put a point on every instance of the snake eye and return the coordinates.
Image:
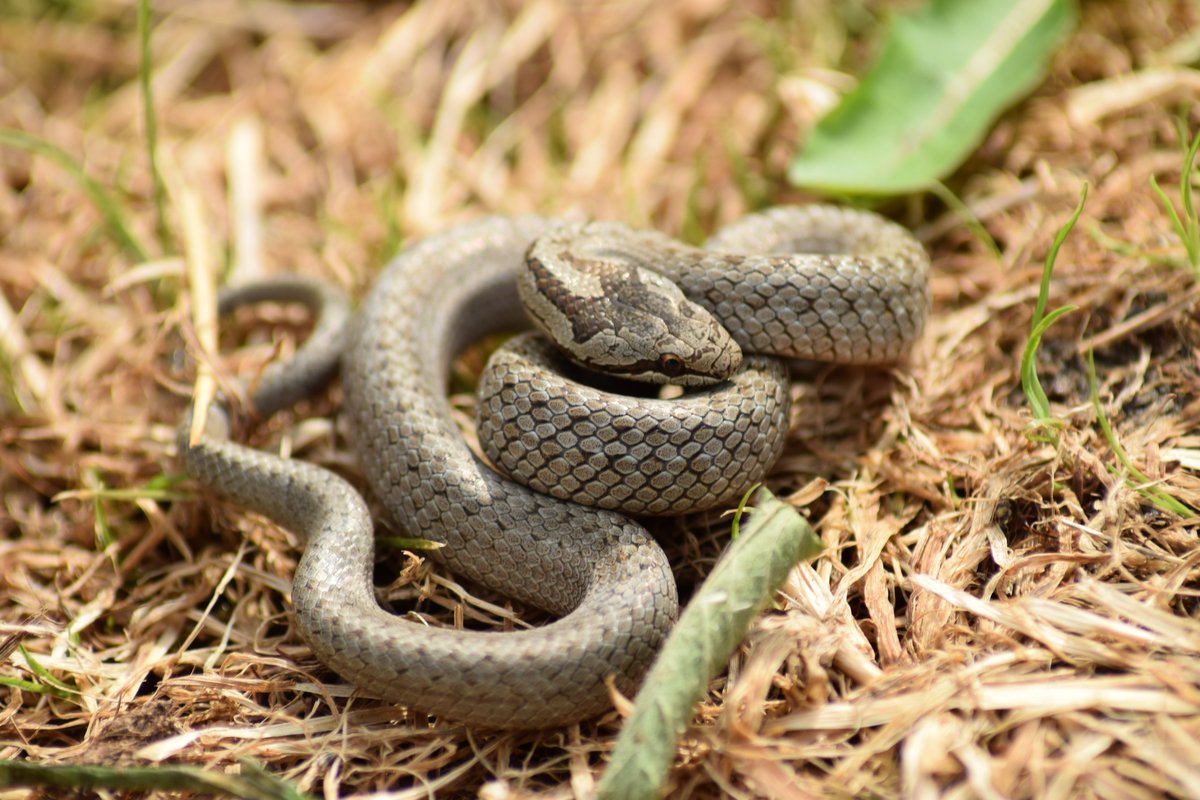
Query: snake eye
(670, 364)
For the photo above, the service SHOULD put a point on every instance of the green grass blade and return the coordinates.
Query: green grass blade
(691, 227)
(1114, 245)
(964, 213)
(161, 488)
(1154, 494)
(1169, 207)
(743, 581)
(53, 684)
(1032, 387)
(1052, 257)
(94, 484)
(1186, 224)
(736, 525)
(1191, 231)
(106, 204)
(25, 686)
(1041, 322)
(150, 120)
(1185, 187)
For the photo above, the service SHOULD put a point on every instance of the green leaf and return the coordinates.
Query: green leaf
(944, 75)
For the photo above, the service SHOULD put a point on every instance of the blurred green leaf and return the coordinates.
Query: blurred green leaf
(944, 75)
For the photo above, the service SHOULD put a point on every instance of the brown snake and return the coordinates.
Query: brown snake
(856, 294)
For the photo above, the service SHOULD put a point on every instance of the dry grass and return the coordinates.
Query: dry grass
(995, 616)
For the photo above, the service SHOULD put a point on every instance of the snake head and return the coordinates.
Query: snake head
(593, 291)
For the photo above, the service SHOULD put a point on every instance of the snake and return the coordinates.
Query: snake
(792, 282)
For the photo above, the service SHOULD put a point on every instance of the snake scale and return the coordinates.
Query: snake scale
(811, 282)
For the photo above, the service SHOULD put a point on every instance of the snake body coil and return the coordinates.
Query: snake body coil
(863, 298)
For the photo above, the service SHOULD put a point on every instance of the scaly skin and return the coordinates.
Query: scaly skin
(600, 572)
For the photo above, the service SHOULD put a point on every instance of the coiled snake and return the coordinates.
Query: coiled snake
(856, 294)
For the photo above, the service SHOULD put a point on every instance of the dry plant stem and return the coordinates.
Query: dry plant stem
(810, 595)
(244, 157)
(17, 350)
(202, 281)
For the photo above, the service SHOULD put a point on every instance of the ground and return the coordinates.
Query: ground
(1001, 610)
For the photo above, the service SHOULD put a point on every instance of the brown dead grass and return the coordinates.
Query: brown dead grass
(993, 617)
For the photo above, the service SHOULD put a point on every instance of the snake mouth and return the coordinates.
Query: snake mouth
(651, 371)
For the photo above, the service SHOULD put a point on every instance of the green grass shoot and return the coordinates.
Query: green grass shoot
(1136, 478)
(1185, 221)
(736, 525)
(1040, 323)
(46, 683)
(964, 213)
